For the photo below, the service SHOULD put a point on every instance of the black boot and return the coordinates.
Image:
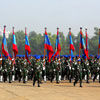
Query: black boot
(80, 84)
(74, 83)
(38, 85)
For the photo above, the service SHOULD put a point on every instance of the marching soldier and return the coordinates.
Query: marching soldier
(95, 71)
(44, 70)
(78, 75)
(9, 70)
(74, 64)
(24, 70)
(86, 65)
(58, 69)
(1, 70)
(98, 68)
(37, 70)
(4, 70)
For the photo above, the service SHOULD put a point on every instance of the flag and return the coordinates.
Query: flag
(99, 38)
(99, 43)
(82, 44)
(72, 48)
(14, 47)
(4, 45)
(48, 47)
(27, 47)
(87, 47)
(58, 47)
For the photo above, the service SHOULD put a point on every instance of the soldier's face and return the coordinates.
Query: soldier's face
(79, 62)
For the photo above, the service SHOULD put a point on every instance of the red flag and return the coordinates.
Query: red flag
(86, 41)
(14, 47)
(48, 47)
(58, 47)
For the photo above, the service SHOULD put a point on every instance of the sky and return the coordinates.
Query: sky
(38, 14)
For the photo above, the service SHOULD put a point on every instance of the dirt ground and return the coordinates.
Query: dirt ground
(49, 91)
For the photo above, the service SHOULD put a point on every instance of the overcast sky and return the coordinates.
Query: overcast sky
(36, 14)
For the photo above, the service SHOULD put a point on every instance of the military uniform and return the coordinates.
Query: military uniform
(95, 71)
(9, 70)
(24, 70)
(4, 70)
(78, 75)
(44, 70)
(37, 70)
(74, 65)
(86, 66)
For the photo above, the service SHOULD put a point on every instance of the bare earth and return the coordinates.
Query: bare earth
(49, 91)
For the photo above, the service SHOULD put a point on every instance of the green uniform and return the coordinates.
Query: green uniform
(87, 69)
(36, 75)
(24, 70)
(9, 70)
(78, 75)
(1, 70)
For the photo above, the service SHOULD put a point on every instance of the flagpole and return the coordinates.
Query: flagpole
(79, 43)
(12, 50)
(13, 54)
(44, 43)
(25, 35)
(99, 44)
(87, 41)
(57, 34)
(69, 44)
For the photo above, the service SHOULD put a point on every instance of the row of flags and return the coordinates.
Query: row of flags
(14, 46)
(83, 46)
(47, 45)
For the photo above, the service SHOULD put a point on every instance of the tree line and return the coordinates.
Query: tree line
(37, 42)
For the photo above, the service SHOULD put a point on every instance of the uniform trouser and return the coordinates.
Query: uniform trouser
(71, 75)
(10, 76)
(19, 76)
(51, 76)
(57, 76)
(44, 75)
(95, 76)
(62, 75)
(24, 77)
(4, 76)
(67, 73)
(36, 79)
(83, 75)
(87, 73)
(78, 77)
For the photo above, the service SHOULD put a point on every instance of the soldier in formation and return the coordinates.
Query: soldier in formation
(62, 68)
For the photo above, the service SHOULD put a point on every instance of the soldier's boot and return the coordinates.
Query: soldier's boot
(9, 80)
(57, 82)
(24, 81)
(74, 83)
(1, 78)
(70, 79)
(38, 83)
(13, 78)
(34, 82)
(19, 80)
(88, 81)
(80, 84)
(99, 78)
(4, 79)
(94, 79)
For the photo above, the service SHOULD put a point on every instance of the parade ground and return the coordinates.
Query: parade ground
(49, 91)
